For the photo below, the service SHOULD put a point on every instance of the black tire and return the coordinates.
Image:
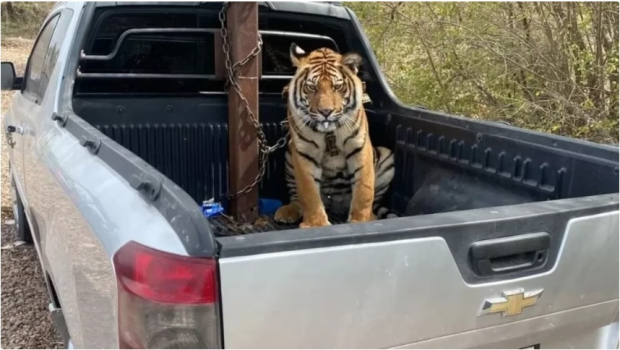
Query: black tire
(21, 224)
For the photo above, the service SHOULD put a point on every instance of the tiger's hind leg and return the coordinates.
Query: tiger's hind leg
(384, 174)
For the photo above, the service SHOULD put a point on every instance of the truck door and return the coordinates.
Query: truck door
(37, 122)
(24, 104)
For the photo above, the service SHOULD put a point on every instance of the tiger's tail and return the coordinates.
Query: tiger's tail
(382, 212)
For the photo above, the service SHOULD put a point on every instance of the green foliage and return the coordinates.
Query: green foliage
(551, 67)
(547, 66)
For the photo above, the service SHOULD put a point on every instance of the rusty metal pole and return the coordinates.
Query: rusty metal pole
(243, 157)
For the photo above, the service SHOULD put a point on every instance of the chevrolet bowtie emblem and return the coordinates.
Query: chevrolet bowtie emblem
(511, 303)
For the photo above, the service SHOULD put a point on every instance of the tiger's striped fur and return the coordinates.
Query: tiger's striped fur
(331, 164)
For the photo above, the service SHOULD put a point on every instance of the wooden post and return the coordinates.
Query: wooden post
(242, 25)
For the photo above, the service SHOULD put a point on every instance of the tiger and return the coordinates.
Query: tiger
(331, 164)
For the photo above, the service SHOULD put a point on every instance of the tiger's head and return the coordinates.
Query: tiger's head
(325, 92)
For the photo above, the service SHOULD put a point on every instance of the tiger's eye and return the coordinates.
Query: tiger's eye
(311, 87)
(338, 86)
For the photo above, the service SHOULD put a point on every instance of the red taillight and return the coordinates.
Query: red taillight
(166, 300)
(166, 278)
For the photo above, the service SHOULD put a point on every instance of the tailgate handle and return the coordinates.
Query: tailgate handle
(508, 254)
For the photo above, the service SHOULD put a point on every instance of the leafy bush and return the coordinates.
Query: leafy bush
(551, 67)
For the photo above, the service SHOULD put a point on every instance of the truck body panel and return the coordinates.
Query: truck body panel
(80, 211)
(402, 292)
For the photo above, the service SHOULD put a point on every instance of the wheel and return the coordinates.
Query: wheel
(21, 224)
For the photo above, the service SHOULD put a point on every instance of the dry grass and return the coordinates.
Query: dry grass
(24, 18)
(14, 50)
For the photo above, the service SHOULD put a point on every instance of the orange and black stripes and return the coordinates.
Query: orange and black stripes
(331, 165)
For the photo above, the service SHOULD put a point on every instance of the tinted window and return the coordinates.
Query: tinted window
(37, 58)
(51, 57)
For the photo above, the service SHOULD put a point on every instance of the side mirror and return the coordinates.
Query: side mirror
(8, 77)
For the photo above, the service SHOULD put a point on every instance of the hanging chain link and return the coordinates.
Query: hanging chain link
(231, 71)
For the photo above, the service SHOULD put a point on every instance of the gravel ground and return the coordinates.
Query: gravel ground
(26, 323)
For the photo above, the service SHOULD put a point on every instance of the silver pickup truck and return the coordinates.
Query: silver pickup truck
(117, 132)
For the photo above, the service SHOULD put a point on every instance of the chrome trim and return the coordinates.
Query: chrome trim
(519, 299)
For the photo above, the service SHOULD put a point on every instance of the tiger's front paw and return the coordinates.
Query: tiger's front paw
(318, 220)
(288, 214)
(361, 216)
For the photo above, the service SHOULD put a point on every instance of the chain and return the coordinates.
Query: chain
(231, 70)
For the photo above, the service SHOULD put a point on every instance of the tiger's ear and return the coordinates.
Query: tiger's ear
(297, 54)
(352, 61)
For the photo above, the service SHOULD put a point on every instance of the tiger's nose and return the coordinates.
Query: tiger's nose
(326, 112)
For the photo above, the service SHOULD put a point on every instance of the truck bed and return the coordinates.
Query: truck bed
(439, 167)
(179, 126)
